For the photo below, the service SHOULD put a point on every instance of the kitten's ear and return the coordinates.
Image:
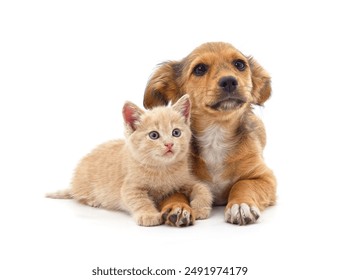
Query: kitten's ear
(131, 114)
(183, 105)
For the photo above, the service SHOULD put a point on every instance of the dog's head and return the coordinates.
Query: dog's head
(217, 77)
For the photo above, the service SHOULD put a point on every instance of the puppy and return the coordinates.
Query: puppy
(228, 139)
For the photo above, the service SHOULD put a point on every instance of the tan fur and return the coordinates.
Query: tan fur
(228, 139)
(137, 174)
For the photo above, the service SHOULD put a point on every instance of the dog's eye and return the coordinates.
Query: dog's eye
(240, 64)
(154, 135)
(200, 69)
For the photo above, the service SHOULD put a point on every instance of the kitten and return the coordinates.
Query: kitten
(137, 174)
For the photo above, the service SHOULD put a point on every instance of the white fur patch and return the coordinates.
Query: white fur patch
(214, 146)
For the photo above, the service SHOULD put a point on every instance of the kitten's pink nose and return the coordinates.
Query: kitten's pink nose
(169, 145)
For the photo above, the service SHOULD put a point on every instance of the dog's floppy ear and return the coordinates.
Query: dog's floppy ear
(162, 86)
(261, 82)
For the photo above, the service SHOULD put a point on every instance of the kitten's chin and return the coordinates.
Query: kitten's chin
(166, 159)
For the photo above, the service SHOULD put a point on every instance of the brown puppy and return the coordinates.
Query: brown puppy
(228, 139)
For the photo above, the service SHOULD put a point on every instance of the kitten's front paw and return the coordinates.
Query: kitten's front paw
(178, 215)
(202, 213)
(148, 220)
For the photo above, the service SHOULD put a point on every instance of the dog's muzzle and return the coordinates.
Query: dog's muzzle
(228, 84)
(229, 97)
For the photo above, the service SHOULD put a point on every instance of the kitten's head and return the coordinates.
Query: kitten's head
(160, 136)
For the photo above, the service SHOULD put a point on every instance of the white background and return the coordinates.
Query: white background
(66, 68)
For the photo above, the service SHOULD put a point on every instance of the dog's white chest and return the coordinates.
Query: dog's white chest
(214, 150)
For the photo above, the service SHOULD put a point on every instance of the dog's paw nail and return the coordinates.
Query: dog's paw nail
(173, 218)
(184, 222)
(247, 220)
(242, 214)
(179, 215)
(165, 214)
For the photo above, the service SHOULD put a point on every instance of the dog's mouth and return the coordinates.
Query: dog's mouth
(226, 104)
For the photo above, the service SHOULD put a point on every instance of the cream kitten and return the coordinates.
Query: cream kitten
(137, 174)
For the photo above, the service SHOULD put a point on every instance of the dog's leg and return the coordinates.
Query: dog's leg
(248, 197)
(176, 210)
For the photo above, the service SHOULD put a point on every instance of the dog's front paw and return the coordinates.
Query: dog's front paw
(241, 214)
(178, 215)
(148, 220)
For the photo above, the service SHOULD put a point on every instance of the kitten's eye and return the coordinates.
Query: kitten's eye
(176, 132)
(240, 64)
(200, 69)
(154, 135)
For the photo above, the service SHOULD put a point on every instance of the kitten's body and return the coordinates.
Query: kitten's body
(136, 174)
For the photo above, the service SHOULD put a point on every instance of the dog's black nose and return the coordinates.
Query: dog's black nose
(228, 84)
